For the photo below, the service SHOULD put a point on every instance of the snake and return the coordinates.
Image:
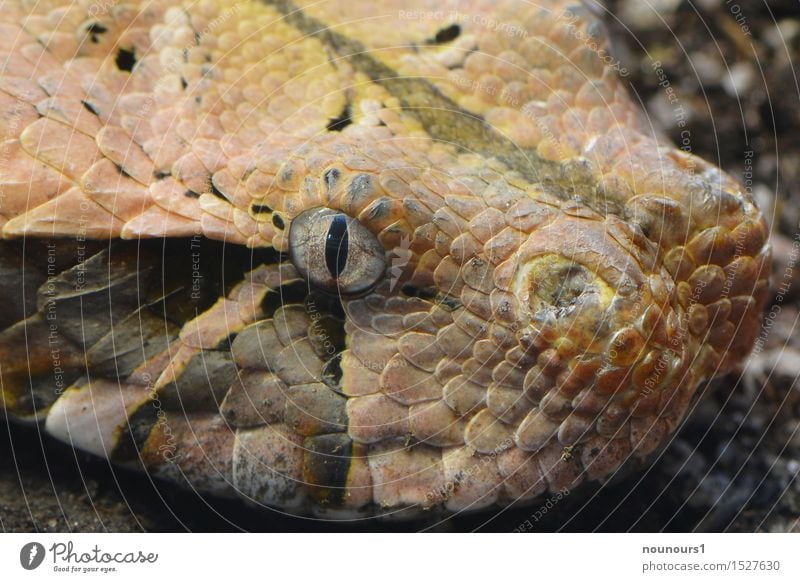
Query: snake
(356, 259)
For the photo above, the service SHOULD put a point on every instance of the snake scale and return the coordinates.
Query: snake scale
(355, 258)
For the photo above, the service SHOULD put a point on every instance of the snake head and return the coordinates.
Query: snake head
(477, 274)
(536, 332)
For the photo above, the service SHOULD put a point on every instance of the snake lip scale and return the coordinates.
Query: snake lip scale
(355, 259)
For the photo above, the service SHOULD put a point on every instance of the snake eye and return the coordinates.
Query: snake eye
(335, 252)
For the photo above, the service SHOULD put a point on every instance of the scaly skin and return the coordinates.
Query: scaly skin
(559, 281)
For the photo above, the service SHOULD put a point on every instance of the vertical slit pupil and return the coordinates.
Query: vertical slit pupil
(336, 245)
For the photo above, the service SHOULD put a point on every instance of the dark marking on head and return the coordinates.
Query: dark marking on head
(261, 209)
(430, 294)
(278, 221)
(215, 191)
(447, 302)
(95, 29)
(191, 194)
(287, 173)
(126, 59)
(447, 34)
(160, 174)
(90, 108)
(443, 119)
(331, 177)
(344, 119)
(411, 291)
(184, 83)
(121, 170)
(326, 464)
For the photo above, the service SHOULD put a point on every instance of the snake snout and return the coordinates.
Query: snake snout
(609, 347)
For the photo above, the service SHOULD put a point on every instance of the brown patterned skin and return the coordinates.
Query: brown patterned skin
(558, 280)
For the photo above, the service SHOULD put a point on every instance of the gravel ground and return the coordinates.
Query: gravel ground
(734, 464)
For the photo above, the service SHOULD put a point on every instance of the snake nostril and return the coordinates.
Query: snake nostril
(553, 286)
(564, 288)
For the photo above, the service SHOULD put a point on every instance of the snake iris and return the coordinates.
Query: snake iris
(355, 258)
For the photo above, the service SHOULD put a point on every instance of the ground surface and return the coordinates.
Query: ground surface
(734, 465)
